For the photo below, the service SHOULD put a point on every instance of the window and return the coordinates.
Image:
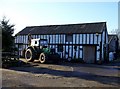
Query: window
(43, 42)
(69, 38)
(35, 42)
(60, 48)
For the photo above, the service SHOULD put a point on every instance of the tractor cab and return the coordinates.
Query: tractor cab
(42, 43)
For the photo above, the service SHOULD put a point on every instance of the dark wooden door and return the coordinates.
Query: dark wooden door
(89, 54)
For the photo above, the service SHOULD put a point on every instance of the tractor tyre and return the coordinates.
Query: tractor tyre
(29, 55)
(43, 58)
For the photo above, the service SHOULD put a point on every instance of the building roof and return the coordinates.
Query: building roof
(112, 36)
(65, 29)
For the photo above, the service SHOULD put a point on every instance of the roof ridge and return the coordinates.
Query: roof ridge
(65, 28)
(67, 24)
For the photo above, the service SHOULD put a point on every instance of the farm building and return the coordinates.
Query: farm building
(113, 43)
(87, 41)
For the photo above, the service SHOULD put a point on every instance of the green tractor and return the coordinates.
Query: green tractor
(38, 49)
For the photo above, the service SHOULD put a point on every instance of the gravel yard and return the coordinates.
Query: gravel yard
(62, 75)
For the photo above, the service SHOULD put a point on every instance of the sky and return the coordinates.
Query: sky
(24, 13)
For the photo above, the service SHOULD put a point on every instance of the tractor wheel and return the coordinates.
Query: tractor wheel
(29, 55)
(43, 58)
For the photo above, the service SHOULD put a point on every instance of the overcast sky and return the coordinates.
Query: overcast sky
(24, 13)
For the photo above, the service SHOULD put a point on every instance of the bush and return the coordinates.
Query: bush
(8, 62)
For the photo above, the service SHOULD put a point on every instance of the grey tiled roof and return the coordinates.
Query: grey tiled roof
(65, 29)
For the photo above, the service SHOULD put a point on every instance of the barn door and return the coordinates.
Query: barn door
(89, 54)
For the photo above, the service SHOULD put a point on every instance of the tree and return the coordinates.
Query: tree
(7, 32)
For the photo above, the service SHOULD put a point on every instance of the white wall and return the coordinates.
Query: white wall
(77, 37)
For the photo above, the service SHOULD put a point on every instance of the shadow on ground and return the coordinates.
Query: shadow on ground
(113, 66)
(110, 80)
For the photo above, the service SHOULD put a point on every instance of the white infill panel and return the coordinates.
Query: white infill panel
(41, 36)
(103, 36)
(88, 38)
(84, 38)
(98, 53)
(66, 52)
(50, 38)
(24, 39)
(19, 39)
(91, 38)
(99, 39)
(55, 48)
(56, 38)
(80, 38)
(80, 53)
(77, 52)
(45, 36)
(59, 38)
(73, 38)
(77, 38)
(70, 51)
(64, 39)
(38, 36)
(50, 46)
(35, 36)
(103, 39)
(95, 39)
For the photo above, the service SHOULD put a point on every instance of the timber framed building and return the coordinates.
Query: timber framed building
(87, 41)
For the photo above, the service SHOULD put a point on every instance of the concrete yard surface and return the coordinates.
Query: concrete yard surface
(62, 75)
